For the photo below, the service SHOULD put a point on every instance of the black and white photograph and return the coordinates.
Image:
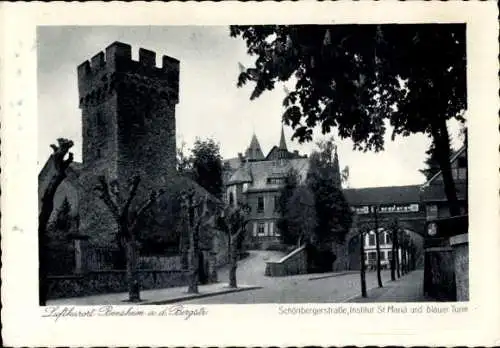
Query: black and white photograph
(253, 164)
(195, 167)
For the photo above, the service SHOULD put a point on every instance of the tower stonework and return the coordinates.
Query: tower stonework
(128, 126)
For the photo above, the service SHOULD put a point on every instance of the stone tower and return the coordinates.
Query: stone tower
(128, 123)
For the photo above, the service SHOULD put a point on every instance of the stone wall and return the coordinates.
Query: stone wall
(163, 263)
(439, 274)
(460, 245)
(101, 282)
(293, 263)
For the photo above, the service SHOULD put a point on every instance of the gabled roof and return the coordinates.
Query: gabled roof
(232, 163)
(262, 170)
(378, 195)
(242, 175)
(452, 159)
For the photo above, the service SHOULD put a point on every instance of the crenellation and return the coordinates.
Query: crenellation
(147, 57)
(118, 54)
(108, 70)
(97, 61)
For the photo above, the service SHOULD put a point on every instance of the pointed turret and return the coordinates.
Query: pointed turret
(254, 152)
(282, 145)
(282, 149)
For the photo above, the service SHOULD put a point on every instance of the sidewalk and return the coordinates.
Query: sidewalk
(408, 288)
(152, 297)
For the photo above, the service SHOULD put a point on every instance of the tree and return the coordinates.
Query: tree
(59, 228)
(356, 78)
(284, 195)
(184, 162)
(431, 163)
(362, 273)
(301, 216)
(235, 220)
(207, 166)
(334, 216)
(60, 159)
(128, 223)
(344, 174)
(394, 227)
(377, 245)
(196, 209)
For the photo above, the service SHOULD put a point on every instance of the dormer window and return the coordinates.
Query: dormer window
(275, 181)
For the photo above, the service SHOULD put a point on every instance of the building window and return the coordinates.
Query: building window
(372, 256)
(271, 228)
(231, 198)
(389, 255)
(432, 212)
(462, 162)
(388, 238)
(260, 204)
(276, 201)
(275, 181)
(371, 239)
(261, 230)
(382, 256)
(245, 187)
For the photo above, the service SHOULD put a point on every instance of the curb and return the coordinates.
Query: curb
(195, 296)
(333, 275)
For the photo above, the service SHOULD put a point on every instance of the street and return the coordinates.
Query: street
(326, 288)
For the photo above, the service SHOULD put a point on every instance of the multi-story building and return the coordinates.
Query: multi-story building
(256, 179)
(433, 194)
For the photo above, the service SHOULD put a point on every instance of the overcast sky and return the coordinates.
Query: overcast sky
(210, 103)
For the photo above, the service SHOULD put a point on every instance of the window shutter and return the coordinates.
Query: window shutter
(266, 229)
(255, 229)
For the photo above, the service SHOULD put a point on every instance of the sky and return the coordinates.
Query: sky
(210, 103)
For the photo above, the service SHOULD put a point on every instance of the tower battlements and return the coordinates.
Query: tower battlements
(105, 70)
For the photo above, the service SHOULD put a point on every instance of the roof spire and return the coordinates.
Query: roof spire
(254, 152)
(282, 145)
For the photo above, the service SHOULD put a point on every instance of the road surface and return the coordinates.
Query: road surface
(292, 289)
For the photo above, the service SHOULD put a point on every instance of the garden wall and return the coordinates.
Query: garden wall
(112, 281)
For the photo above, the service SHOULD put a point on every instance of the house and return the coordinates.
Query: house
(433, 194)
(257, 179)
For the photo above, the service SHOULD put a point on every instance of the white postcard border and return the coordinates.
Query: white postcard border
(247, 325)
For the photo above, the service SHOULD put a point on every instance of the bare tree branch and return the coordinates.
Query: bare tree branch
(106, 196)
(132, 193)
(153, 197)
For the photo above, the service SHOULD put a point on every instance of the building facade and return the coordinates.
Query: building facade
(257, 179)
(432, 192)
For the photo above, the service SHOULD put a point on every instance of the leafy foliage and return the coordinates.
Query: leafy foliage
(284, 196)
(300, 216)
(59, 228)
(344, 73)
(431, 163)
(334, 216)
(204, 165)
(358, 78)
